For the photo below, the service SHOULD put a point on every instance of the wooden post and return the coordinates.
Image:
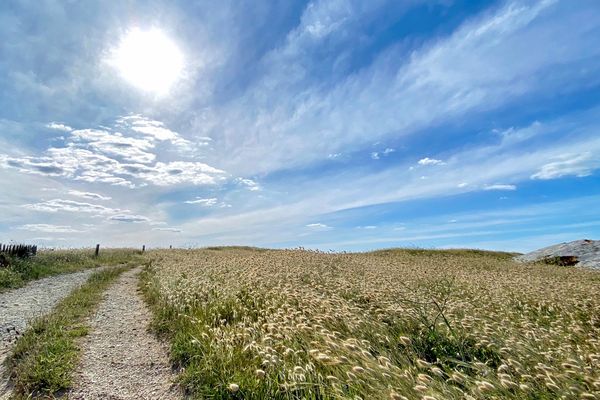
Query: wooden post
(143, 248)
(97, 250)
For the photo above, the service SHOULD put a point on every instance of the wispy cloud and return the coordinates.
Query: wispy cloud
(128, 218)
(569, 165)
(60, 127)
(57, 205)
(499, 186)
(203, 202)
(318, 226)
(174, 230)
(48, 228)
(430, 161)
(88, 195)
(249, 183)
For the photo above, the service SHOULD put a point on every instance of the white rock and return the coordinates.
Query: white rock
(586, 251)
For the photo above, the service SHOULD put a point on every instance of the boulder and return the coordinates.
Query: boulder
(581, 253)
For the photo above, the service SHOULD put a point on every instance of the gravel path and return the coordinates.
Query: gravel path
(19, 306)
(121, 360)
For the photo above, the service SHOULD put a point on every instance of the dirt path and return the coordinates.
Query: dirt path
(121, 360)
(19, 306)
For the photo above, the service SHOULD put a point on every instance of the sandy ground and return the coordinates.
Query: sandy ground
(120, 358)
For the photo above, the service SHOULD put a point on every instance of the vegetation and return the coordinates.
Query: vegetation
(394, 324)
(48, 263)
(45, 357)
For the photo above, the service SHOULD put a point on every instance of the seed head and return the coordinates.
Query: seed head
(233, 387)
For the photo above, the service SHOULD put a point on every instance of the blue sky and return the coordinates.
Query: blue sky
(339, 124)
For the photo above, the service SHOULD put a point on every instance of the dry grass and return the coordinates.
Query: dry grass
(395, 324)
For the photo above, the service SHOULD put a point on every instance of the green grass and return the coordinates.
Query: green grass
(48, 263)
(45, 357)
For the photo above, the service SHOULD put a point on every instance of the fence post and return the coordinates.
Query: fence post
(143, 248)
(97, 250)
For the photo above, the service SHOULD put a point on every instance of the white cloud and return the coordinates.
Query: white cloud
(182, 172)
(105, 156)
(48, 228)
(430, 161)
(59, 127)
(48, 239)
(38, 166)
(499, 186)
(57, 205)
(110, 144)
(88, 195)
(154, 129)
(128, 218)
(376, 155)
(462, 185)
(203, 202)
(175, 230)
(209, 202)
(317, 226)
(569, 165)
(249, 183)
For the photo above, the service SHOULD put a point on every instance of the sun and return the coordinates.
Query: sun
(148, 60)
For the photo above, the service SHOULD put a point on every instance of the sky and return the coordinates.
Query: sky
(333, 124)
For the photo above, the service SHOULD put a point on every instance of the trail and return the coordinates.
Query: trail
(19, 306)
(121, 360)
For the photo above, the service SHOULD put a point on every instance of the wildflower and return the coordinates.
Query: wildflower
(259, 373)
(233, 387)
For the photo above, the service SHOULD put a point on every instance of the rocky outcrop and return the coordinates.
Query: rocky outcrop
(582, 253)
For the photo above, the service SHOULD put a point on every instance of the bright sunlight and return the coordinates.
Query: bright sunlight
(149, 60)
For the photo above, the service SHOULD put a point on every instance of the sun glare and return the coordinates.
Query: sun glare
(148, 60)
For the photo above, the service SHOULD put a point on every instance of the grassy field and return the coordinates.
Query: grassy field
(48, 263)
(391, 324)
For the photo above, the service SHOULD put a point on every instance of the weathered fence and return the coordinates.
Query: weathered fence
(18, 250)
